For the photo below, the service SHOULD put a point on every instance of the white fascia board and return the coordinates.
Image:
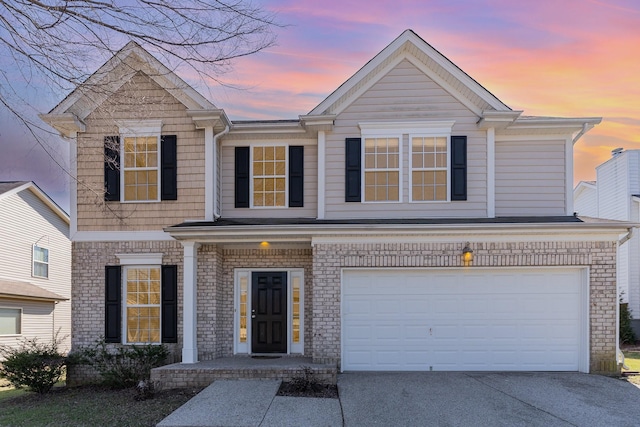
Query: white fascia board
(157, 71)
(427, 49)
(120, 236)
(421, 233)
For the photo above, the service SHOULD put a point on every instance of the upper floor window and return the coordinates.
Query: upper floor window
(140, 163)
(141, 172)
(435, 172)
(40, 262)
(269, 165)
(429, 168)
(269, 176)
(382, 169)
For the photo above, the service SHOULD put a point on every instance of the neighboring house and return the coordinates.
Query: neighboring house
(35, 267)
(340, 234)
(615, 195)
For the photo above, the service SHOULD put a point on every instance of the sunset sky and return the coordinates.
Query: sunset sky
(570, 58)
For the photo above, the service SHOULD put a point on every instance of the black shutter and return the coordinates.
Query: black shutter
(242, 177)
(168, 168)
(112, 168)
(113, 304)
(169, 303)
(353, 173)
(458, 168)
(296, 176)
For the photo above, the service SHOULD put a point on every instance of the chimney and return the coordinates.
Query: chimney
(616, 151)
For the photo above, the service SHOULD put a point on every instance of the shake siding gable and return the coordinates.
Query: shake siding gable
(405, 93)
(141, 99)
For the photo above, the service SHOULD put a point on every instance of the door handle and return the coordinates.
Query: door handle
(253, 316)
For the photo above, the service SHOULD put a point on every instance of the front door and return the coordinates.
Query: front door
(269, 312)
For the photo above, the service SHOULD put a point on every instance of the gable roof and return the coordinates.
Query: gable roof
(413, 48)
(9, 188)
(67, 117)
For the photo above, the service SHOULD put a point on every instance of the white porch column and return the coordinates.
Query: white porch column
(190, 303)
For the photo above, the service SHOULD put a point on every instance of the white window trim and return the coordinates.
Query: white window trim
(139, 128)
(383, 135)
(425, 128)
(145, 259)
(21, 317)
(245, 348)
(33, 261)
(429, 135)
(124, 318)
(286, 175)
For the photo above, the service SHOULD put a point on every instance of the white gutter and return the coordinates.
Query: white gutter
(216, 208)
(585, 128)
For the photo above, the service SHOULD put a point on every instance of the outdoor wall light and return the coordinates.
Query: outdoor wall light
(467, 254)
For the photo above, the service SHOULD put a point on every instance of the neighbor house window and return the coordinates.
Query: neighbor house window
(382, 169)
(10, 321)
(142, 304)
(141, 172)
(269, 165)
(40, 262)
(429, 168)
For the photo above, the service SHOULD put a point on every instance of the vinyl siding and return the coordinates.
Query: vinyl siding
(37, 321)
(586, 203)
(25, 220)
(613, 188)
(147, 101)
(405, 93)
(310, 208)
(530, 178)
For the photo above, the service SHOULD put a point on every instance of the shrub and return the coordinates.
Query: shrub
(627, 336)
(123, 366)
(35, 365)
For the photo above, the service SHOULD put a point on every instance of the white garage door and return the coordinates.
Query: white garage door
(464, 319)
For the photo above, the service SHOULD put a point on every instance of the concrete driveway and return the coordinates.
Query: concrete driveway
(421, 399)
(487, 399)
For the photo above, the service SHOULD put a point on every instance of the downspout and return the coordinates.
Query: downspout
(216, 211)
(585, 128)
(619, 353)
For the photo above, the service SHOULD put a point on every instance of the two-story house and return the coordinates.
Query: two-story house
(615, 195)
(35, 267)
(410, 221)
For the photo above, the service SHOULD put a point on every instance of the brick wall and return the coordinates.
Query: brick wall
(88, 290)
(600, 257)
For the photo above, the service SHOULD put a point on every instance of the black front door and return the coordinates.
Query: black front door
(269, 312)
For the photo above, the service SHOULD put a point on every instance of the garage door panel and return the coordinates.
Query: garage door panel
(454, 320)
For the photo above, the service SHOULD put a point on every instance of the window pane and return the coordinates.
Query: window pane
(295, 330)
(143, 304)
(243, 309)
(10, 321)
(382, 169)
(141, 168)
(269, 176)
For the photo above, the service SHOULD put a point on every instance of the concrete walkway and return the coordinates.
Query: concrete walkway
(425, 398)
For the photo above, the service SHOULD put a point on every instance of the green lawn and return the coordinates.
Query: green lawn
(87, 406)
(632, 360)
